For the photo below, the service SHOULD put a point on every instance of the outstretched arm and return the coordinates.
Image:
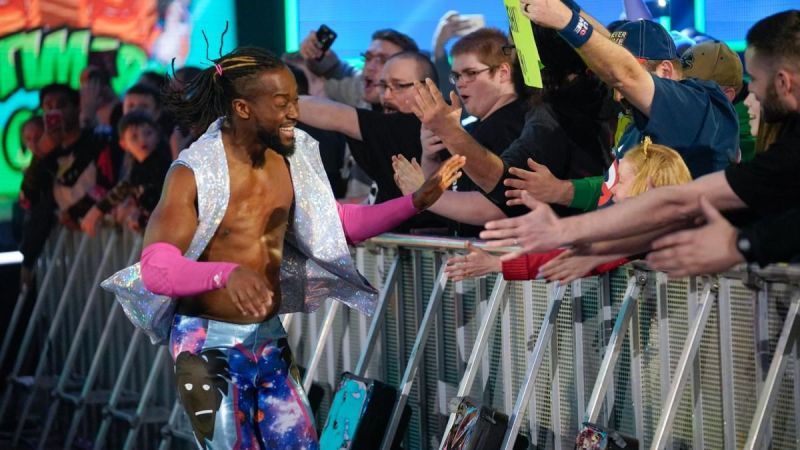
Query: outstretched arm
(329, 115)
(710, 248)
(612, 63)
(569, 266)
(444, 120)
(361, 222)
(540, 230)
(472, 208)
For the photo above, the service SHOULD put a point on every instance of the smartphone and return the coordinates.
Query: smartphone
(53, 120)
(476, 22)
(325, 38)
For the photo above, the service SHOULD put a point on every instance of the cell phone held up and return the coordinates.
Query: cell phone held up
(325, 38)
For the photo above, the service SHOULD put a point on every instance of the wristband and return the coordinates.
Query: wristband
(572, 5)
(577, 32)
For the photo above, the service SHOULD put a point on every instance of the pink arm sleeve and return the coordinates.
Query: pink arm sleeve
(361, 222)
(165, 271)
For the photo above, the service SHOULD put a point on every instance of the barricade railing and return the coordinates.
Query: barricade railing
(705, 362)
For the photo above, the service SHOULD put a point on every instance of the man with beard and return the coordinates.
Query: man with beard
(374, 137)
(765, 187)
(247, 227)
(342, 82)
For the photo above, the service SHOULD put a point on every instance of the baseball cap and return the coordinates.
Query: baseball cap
(714, 61)
(646, 40)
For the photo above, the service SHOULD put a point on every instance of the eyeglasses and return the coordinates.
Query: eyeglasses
(468, 75)
(377, 57)
(395, 87)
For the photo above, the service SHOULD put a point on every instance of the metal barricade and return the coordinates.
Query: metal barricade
(690, 363)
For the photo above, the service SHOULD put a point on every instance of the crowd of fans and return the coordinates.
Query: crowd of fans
(621, 114)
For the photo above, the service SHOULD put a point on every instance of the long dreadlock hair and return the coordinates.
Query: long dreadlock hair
(208, 96)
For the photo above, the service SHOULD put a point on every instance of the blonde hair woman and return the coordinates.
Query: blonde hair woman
(645, 167)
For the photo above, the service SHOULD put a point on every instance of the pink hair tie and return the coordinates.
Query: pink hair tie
(219, 69)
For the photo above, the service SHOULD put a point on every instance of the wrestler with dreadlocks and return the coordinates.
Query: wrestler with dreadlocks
(247, 227)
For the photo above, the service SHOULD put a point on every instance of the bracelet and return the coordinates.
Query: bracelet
(745, 246)
(577, 32)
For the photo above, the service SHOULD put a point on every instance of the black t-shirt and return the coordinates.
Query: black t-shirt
(495, 133)
(144, 182)
(385, 135)
(770, 183)
(775, 239)
(500, 129)
(545, 139)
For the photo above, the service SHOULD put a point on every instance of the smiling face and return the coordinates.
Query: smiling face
(270, 110)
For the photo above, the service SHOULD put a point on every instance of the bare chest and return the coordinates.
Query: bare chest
(260, 201)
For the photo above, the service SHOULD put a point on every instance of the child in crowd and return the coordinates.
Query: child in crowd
(645, 167)
(139, 136)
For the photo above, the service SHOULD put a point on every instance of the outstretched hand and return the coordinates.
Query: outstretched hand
(450, 25)
(431, 109)
(539, 183)
(570, 265)
(474, 264)
(710, 248)
(537, 231)
(436, 184)
(408, 175)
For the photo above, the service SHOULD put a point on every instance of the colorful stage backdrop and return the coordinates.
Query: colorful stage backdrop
(50, 41)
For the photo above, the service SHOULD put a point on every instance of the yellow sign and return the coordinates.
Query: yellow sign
(528, 54)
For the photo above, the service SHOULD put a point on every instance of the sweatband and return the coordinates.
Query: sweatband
(165, 271)
(587, 193)
(577, 32)
(571, 4)
(361, 222)
(527, 266)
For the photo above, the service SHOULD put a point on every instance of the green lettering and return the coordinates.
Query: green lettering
(61, 59)
(24, 43)
(15, 154)
(75, 58)
(103, 44)
(39, 64)
(131, 61)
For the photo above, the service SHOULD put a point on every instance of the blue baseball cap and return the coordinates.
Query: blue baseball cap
(646, 40)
